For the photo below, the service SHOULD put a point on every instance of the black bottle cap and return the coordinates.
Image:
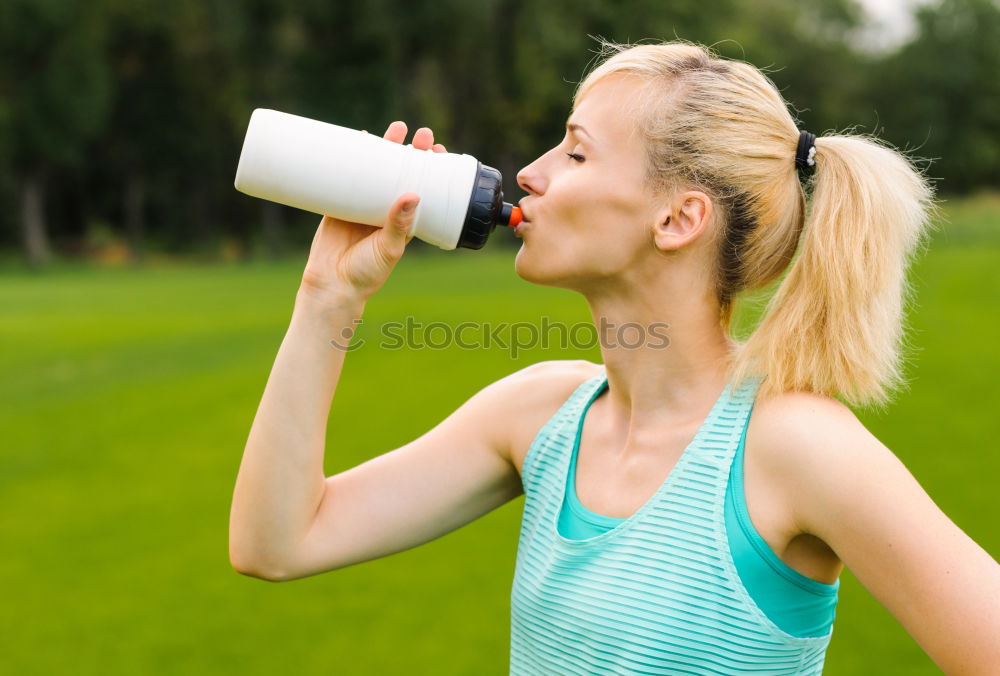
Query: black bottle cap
(486, 208)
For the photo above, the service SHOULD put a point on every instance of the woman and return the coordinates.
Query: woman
(665, 529)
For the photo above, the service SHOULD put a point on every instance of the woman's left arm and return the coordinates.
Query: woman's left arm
(852, 492)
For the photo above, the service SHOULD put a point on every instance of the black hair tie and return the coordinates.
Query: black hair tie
(805, 154)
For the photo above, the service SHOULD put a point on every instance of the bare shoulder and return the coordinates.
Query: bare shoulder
(799, 438)
(530, 396)
(801, 412)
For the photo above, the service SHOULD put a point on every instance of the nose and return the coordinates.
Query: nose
(530, 180)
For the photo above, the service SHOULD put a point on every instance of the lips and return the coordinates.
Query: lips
(524, 214)
(524, 218)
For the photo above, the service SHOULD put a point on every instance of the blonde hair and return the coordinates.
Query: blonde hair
(835, 323)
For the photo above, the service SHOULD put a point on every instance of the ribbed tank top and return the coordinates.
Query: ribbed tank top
(799, 605)
(658, 592)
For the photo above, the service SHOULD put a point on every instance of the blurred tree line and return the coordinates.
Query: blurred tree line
(122, 120)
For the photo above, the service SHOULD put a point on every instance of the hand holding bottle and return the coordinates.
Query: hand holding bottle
(354, 259)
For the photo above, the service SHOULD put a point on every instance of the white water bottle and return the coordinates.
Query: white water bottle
(355, 176)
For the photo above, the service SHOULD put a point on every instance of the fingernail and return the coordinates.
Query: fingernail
(407, 208)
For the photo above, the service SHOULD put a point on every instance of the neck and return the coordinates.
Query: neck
(665, 361)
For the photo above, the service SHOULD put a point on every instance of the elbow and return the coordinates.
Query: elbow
(260, 572)
(246, 560)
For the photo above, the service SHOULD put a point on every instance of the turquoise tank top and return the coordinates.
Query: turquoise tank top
(799, 605)
(684, 585)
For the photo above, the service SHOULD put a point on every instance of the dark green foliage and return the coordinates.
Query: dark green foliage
(127, 116)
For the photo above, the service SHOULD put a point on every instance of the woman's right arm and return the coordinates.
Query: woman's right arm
(286, 519)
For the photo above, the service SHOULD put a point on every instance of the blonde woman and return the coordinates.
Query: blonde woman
(666, 530)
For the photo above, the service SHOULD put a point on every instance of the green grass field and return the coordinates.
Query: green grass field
(128, 396)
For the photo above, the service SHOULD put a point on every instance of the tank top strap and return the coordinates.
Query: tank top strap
(718, 439)
(701, 482)
(551, 440)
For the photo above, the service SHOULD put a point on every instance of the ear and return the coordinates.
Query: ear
(682, 220)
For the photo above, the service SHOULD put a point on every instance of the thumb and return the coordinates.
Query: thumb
(396, 232)
(404, 223)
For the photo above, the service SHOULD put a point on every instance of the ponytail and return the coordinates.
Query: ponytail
(835, 325)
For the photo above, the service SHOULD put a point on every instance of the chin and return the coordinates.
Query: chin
(543, 272)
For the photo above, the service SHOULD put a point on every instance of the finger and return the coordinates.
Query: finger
(423, 138)
(438, 148)
(396, 132)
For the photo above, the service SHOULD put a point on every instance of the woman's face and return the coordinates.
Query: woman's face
(589, 216)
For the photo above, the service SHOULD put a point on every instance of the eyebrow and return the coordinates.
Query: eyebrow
(573, 127)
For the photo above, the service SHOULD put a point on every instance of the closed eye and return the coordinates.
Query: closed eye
(574, 156)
